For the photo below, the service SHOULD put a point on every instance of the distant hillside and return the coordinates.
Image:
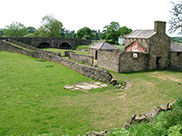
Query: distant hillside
(176, 39)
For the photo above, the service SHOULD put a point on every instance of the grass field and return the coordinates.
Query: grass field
(62, 51)
(33, 100)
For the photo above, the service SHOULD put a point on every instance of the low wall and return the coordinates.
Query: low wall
(30, 47)
(129, 63)
(82, 58)
(108, 59)
(91, 72)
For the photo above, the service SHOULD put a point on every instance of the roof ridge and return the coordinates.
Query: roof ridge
(102, 44)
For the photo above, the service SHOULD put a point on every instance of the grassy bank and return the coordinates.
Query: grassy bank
(33, 100)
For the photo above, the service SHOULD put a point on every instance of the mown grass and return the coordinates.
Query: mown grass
(62, 51)
(33, 100)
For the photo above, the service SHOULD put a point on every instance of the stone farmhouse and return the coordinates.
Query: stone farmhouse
(144, 50)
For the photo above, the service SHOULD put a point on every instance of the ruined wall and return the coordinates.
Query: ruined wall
(82, 58)
(143, 42)
(159, 47)
(129, 63)
(91, 72)
(108, 59)
(175, 61)
(91, 52)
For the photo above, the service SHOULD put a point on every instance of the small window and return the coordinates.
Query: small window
(178, 53)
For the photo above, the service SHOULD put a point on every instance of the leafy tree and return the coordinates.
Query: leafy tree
(16, 29)
(51, 27)
(69, 34)
(1, 32)
(112, 31)
(176, 18)
(84, 33)
(124, 31)
(31, 29)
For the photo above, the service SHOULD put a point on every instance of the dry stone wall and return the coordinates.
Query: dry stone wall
(82, 58)
(91, 72)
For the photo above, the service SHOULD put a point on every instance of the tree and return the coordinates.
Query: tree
(84, 33)
(124, 31)
(31, 29)
(112, 31)
(176, 18)
(15, 29)
(51, 27)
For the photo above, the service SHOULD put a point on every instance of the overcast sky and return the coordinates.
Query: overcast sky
(75, 14)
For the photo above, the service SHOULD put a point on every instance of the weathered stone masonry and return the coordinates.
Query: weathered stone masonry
(91, 72)
(144, 50)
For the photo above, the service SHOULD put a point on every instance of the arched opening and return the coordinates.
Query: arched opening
(65, 45)
(44, 45)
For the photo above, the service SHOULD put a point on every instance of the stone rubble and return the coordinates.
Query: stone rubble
(148, 115)
(85, 86)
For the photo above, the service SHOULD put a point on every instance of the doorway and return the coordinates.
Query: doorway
(158, 62)
(96, 53)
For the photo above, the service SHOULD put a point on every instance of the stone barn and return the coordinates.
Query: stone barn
(144, 50)
(153, 42)
(105, 55)
(175, 58)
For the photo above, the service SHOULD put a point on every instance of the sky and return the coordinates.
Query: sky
(95, 14)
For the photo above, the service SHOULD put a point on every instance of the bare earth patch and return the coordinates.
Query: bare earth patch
(85, 86)
(165, 77)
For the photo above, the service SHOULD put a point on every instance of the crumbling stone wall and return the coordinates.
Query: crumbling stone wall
(108, 59)
(175, 61)
(91, 72)
(129, 63)
(82, 58)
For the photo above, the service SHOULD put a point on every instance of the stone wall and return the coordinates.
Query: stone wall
(54, 42)
(82, 58)
(130, 63)
(159, 48)
(91, 72)
(27, 46)
(175, 61)
(108, 59)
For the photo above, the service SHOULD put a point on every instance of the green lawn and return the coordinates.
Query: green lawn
(62, 51)
(33, 101)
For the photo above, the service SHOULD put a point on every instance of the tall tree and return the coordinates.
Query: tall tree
(176, 18)
(124, 30)
(51, 27)
(84, 33)
(112, 31)
(15, 29)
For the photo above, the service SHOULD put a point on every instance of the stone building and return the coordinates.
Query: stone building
(105, 55)
(153, 42)
(144, 50)
(175, 56)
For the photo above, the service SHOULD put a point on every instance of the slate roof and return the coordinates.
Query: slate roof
(103, 46)
(175, 47)
(141, 34)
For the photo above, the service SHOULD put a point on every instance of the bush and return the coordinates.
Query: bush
(165, 124)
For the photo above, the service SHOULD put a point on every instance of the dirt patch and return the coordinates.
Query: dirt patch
(165, 77)
(128, 85)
